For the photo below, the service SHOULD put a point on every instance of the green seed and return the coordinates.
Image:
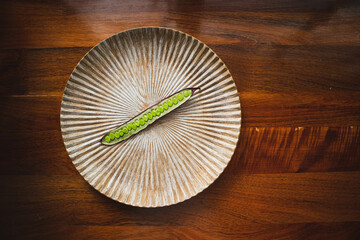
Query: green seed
(121, 133)
(112, 136)
(170, 103)
(145, 117)
(158, 112)
(166, 106)
(142, 122)
(187, 93)
(161, 108)
(134, 126)
(150, 116)
(175, 101)
(153, 112)
(125, 130)
(180, 96)
(137, 123)
(129, 127)
(107, 139)
(117, 134)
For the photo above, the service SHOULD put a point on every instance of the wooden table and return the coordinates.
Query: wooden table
(296, 170)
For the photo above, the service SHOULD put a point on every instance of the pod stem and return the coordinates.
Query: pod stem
(193, 90)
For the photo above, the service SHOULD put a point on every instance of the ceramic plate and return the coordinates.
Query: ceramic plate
(180, 154)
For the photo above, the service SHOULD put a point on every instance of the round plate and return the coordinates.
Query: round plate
(180, 154)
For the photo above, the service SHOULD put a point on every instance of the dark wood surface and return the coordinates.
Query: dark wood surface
(295, 173)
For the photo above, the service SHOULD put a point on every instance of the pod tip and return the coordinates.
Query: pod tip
(195, 89)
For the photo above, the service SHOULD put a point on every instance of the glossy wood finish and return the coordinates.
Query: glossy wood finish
(295, 172)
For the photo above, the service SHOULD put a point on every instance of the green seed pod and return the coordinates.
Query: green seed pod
(147, 117)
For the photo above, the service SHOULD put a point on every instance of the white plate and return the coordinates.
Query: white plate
(180, 154)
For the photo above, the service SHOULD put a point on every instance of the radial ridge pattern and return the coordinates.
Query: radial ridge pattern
(176, 157)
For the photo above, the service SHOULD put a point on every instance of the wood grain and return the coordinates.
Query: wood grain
(263, 22)
(260, 150)
(277, 85)
(38, 112)
(277, 198)
(348, 230)
(295, 172)
(271, 69)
